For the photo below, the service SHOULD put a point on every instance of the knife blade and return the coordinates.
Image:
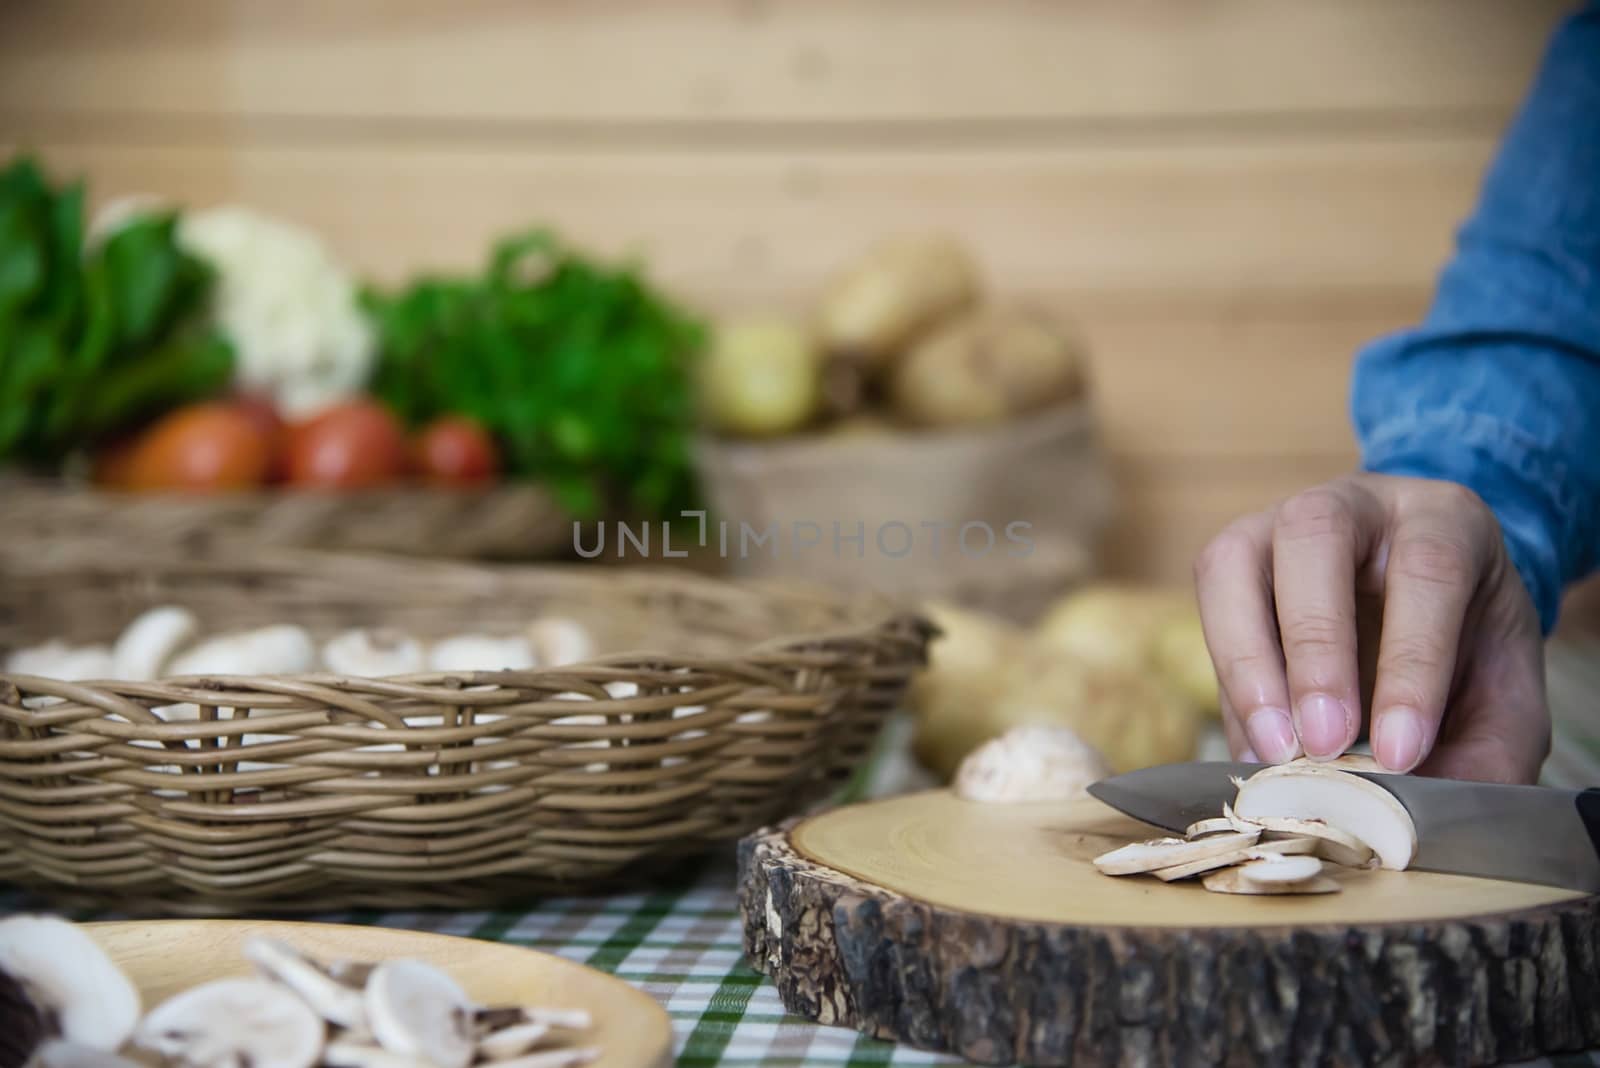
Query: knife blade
(1530, 834)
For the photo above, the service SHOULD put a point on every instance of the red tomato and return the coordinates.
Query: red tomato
(261, 411)
(349, 446)
(201, 448)
(455, 451)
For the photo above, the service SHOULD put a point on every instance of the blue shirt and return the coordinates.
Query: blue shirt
(1499, 387)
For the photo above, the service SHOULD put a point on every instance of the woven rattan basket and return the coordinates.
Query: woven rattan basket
(326, 791)
(503, 522)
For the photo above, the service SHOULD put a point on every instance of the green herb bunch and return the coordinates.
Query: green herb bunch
(581, 372)
(92, 343)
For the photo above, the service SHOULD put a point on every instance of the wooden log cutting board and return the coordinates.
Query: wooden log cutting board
(984, 930)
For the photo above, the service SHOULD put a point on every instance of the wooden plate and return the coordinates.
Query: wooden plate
(985, 930)
(163, 957)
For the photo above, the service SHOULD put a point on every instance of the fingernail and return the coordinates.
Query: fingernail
(1323, 725)
(1249, 756)
(1397, 739)
(1271, 734)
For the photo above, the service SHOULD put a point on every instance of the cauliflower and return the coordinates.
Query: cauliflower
(288, 307)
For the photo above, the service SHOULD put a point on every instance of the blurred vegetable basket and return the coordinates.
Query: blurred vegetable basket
(505, 521)
(735, 706)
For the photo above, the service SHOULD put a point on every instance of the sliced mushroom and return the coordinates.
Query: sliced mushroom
(234, 1023)
(351, 972)
(416, 1010)
(58, 1053)
(1277, 869)
(1237, 856)
(1349, 803)
(557, 642)
(332, 1000)
(148, 643)
(1230, 881)
(489, 1019)
(1214, 825)
(555, 1058)
(511, 1041)
(1333, 845)
(69, 978)
(481, 652)
(1168, 853)
(284, 649)
(374, 654)
(346, 1053)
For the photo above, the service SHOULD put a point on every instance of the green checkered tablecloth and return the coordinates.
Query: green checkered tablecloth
(681, 945)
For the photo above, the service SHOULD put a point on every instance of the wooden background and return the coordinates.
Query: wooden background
(1230, 196)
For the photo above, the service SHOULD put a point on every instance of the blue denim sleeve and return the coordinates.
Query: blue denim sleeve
(1499, 387)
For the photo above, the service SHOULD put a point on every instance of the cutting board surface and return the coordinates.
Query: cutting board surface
(164, 957)
(1032, 862)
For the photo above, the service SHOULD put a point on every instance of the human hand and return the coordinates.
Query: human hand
(1456, 677)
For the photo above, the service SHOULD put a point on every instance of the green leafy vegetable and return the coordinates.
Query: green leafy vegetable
(92, 343)
(581, 372)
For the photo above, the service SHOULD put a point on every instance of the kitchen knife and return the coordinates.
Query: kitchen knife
(1529, 834)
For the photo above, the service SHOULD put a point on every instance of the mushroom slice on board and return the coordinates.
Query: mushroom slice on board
(234, 1023)
(333, 1001)
(1362, 809)
(69, 979)
(1231, 881)
(416, 1010)
(1214, 825)
(1237, 856)
(1333, 845)
(1159, 853)
(1279, 869)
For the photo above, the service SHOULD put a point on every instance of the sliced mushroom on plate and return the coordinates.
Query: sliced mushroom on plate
(416, 1010)
(234, 1023)
(78, 992)
(336, 1002)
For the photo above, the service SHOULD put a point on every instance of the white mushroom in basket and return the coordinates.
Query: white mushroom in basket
(63, 662)
(1030, 763)
(481, 652)
(1274, 838)
(282, 649)
(78, 993)
(557, 642)
(149, 643)
(374, 654)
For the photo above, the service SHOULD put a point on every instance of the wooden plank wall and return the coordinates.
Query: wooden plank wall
(1230, 196)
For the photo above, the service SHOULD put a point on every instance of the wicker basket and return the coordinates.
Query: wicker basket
(1044, 470)
(326, 791)
(505, 522)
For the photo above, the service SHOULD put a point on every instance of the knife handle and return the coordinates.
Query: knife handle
(1589, 812)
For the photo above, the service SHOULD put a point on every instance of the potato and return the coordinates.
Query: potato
(1112, 625)
(876, 306)
(967, 668)
(986, 367)
(760, 377)
(1135, 720)
(1183, 660)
